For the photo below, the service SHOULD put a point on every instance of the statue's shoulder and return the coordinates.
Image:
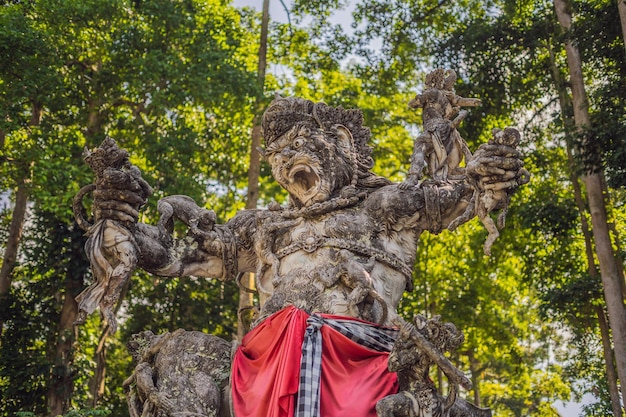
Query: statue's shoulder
(394, 201)
(246, 219)
(394, 193)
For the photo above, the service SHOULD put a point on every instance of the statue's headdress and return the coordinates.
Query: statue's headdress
(285, 113)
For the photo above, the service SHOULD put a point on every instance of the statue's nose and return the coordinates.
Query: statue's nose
(284, 156)
(287, 153)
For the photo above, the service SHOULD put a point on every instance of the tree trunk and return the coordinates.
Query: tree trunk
(566, 112)
(616, 238)
(621, 7)
(15, 235)
(611, 375)
(475, 377)
(610, 276)
(61, 356)
(61, 384)
(246, 300)
(96, 385)
(593, 182)
(97, 382)
(17, 220)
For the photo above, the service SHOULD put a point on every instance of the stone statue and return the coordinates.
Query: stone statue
(331, 266)
(180, 373)
(118, 194)
(199, 220)
(418, 347)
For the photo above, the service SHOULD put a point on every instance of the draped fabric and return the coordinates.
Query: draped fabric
(296, 364)
(104, 236)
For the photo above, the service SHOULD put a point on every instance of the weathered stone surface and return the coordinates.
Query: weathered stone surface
(420, 345)
(344, 245)
(179, 373)
(118, 194)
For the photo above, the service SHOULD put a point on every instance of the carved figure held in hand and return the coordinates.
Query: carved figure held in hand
(118, 194)
(489, 196)
(199, 220)
(440, 148)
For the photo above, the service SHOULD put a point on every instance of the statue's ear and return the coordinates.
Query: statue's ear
(344, 139)
(418, 101)
(449, 80)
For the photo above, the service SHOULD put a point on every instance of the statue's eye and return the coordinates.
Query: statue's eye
(299, 142)
(277, 158)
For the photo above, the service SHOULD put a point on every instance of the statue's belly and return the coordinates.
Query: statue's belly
(320, 281)
(326, 265)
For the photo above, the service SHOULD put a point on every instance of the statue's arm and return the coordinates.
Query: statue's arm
(436, 205)
(431, 205)
(220, 253)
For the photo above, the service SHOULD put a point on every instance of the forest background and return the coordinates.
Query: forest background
(178, 83)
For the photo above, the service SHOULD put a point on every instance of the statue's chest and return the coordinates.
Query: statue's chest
(309, 233)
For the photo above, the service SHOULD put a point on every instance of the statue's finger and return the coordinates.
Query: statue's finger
(499, 162)
(486, 171)
(501, 185)
(499, 150)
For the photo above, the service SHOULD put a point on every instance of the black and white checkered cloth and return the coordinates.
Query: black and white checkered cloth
(380, 339)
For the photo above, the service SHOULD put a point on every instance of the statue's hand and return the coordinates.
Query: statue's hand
(161, 401)
(497, 167)
(411, 181)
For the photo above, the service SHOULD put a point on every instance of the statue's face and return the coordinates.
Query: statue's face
(310, 163)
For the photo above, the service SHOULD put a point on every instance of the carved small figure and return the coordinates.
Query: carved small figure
(488, 198)
(354, 275)
(263, 248)
(179, 373)
(417, 348)
(199, 220)
(119, 192)
(440, 148)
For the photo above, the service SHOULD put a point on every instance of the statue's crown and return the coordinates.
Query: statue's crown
(284, 113)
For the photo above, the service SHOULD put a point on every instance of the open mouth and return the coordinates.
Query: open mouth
(304, 182)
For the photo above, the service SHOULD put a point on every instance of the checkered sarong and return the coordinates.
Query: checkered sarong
(380, 339)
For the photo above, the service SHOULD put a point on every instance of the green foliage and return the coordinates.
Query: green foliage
(175, 84)
(91, 412)
(23, 364)
(163, 305)
(54, 268)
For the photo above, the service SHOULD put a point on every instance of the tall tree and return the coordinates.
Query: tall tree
(40, 328)
(27, 76)
(246, 300)
(566, 115)
(609, 269)
(621, 8)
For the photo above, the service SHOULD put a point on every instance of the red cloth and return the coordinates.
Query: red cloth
(266, 370)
